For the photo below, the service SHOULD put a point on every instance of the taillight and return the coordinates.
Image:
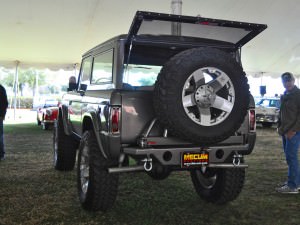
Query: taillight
(252, 120)
(115, 120)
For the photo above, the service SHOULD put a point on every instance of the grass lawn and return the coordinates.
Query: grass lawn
(32, 192)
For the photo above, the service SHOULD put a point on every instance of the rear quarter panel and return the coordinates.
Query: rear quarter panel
(137, 114)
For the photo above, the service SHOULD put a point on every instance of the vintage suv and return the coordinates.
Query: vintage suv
(169, 95)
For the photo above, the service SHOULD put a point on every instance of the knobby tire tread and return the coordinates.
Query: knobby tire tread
(103, 187)
(66, 147)
(228, 186)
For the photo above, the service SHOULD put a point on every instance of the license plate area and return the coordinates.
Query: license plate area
(194, 159)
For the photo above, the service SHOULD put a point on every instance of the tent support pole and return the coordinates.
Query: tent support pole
(16, 88)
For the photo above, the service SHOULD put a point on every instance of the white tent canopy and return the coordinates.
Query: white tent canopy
(55, 33)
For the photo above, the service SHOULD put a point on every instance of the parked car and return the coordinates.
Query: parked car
(267, 111)
(47, 114)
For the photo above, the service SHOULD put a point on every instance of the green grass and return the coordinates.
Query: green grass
(32, 192)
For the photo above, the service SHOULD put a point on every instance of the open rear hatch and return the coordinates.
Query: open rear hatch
(151, 23)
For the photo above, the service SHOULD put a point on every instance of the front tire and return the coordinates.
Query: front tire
(64, 147)
(97, 188)
(218, 186)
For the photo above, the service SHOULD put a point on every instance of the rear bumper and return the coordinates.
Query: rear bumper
(172, 155)
(266, 118)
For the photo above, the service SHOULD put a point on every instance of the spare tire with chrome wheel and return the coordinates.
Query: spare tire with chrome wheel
(97, 188)
(220, 185)
(201, 95)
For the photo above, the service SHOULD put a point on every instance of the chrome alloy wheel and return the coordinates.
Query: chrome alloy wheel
(208, 96)
(84, 171)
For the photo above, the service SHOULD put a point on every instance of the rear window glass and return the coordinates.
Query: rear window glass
(201, 30)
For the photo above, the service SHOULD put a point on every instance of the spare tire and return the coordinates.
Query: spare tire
(201, 95)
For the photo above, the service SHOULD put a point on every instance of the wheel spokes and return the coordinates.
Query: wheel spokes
(84, 170)
(222, 104)
(205, 116)
(188, 100)
(198, 78)
(219, 82)
(208, 96)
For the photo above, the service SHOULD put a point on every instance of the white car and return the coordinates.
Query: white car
(267, 111)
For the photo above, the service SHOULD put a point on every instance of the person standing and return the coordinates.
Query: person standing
(289, 129)
(3, 108)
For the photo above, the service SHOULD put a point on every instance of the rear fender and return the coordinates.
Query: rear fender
(92, 122)
(67, 125)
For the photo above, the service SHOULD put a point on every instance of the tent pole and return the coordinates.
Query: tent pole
(75, 66)
(15, 88)
(36, 93)
(176, 6)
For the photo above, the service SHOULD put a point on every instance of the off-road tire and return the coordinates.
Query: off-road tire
(220, 185)
(171, 85)
(64, 147)
(159, 172)
(97, 188)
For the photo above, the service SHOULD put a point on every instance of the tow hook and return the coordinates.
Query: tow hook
(147, 164)
(236, 161)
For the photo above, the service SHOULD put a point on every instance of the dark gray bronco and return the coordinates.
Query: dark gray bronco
(170, 95)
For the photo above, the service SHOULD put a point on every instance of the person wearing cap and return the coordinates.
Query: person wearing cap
(289, 129)
(3, 107)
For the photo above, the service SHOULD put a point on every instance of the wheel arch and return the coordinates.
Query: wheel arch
(63, 110)
(92, 122)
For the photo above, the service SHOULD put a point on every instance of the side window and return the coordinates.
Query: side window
(85, 71)
(141, 75)
(272, 103)
(265, 103)
(103, 68)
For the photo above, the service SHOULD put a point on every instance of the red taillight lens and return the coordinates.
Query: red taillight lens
(252, 120)
(115, 120)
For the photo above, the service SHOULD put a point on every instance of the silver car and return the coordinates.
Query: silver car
(267, 111)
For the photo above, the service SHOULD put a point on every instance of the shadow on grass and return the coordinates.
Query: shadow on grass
(32, 192)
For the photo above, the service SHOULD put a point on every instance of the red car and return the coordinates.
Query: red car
(47, 114)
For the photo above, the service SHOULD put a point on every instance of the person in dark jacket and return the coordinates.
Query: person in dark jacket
(289, 129)
(3, 108)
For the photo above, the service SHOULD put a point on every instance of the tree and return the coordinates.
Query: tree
(8, 80)
(29, 77)
(25, 77)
